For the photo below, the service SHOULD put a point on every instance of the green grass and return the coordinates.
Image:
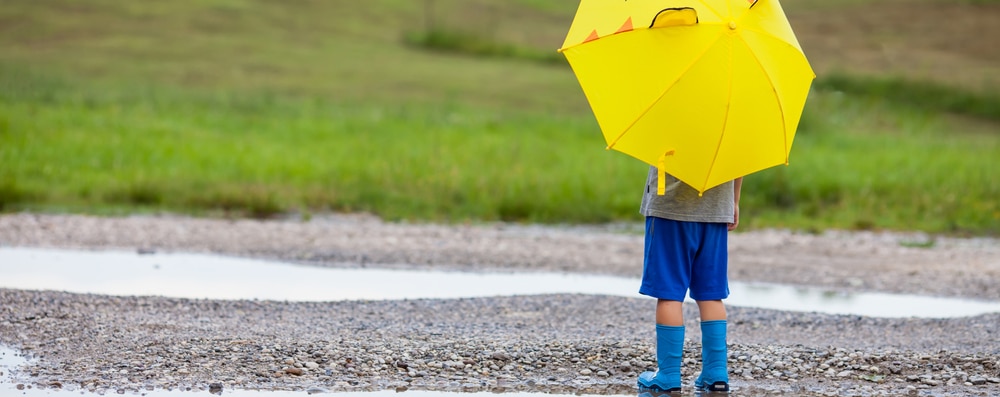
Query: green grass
(472, 44)
(261, 154)
(338, 51)
(856, 163)
(253, 108)
(864, 163)
(922, 95)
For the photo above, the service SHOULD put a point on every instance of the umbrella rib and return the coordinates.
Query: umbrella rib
(770, 36)
(725, 123)
(777, 98)
(664, 93)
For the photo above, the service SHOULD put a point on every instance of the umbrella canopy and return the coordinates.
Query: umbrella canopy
(705, 90)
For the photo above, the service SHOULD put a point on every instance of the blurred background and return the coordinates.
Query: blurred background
(462, 111)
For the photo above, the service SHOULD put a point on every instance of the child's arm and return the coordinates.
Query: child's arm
(737, 186)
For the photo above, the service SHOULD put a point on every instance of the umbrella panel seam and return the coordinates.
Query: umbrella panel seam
(673, 83)
(763, 33)
(774, 90)
(725, 124)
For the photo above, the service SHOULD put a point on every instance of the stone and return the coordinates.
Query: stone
(930, 382)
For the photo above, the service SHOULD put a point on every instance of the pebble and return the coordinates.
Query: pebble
(560, 344)
(378, 345)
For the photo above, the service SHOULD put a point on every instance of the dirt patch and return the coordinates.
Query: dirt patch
(945, 41)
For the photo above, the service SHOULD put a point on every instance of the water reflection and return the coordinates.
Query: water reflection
(217, 277)
(697, 393)
(282, 393)
(9, 361)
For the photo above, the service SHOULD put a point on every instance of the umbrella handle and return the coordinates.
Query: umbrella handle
(661, 183)
(667, 17)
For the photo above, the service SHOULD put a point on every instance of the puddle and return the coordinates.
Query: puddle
(216, 277)
(9, 361)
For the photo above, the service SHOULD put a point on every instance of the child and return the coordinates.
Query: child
(686, 249)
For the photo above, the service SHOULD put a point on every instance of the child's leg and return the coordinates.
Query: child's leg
(670, 313)
(714, 371)
(666, 276)
(712, 310)
(669, 348)
(709, 286)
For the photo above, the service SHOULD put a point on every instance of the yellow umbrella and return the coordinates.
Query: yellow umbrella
(705, 90)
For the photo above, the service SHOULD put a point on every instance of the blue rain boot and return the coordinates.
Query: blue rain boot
(714, 375)
(669, 349)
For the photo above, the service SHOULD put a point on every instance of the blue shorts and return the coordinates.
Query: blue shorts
(682, 256)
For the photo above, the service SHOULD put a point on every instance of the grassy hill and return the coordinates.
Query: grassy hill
(452, 110)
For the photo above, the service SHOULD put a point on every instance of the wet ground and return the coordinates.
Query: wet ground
(560, 343)
(564, 344)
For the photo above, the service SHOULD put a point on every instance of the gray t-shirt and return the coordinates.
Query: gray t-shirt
(681, 202)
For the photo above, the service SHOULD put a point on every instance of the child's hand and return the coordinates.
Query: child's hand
(737, 187)
(736, 219)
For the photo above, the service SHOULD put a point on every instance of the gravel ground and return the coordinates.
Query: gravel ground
(550, 343)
